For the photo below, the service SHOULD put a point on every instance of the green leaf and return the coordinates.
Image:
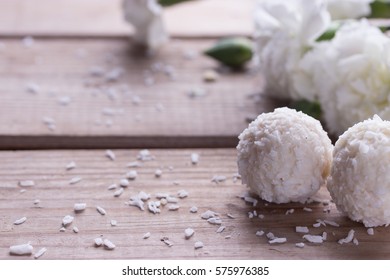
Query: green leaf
(233, 52)
(380, 9)
(166, 3)
(308, 107)
(330, 32)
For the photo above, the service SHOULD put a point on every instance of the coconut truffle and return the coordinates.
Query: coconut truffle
(284, 156)
(360, 179)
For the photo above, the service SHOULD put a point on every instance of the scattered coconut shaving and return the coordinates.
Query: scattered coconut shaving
(214, 221)
(113, 223)
(173, 207)
(182, 194)
(198, 245)
(331, 223)
(270, 235)
(300, 229)
(27, 183)
(75, 229)
(108, 244)
(231, 216)
(40, 253)
(171, 199)
(316, 239)
(134, 164)
(70, 165)
(218, 179)
(118, 192)
(153, 207)
(194, 209)
(124, 183)
(307, 209)
(67, 220)
(110, 154)
(194, 158)
(324, 235)
(144, 155)
(98, 241)
(79, 207)
(146, 235)
(278, 240)
(112, 187)
(62, 229)
(132, 174)
(220, 229)
(167, 242)
(289, 212)
(101, 210)
(370, 231)
(355, 241)
(259, 233)
(188, 232)
(208, 214)
(75, 180)
(21, 249)
(300, 245)
(158, 173)
(20, 221)
(347, 239)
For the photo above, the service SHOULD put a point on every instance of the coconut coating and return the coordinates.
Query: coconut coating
(360, 179)
(284, 156)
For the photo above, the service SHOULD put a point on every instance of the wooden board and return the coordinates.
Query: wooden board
(201, 18)
(57, 197)
(104, 114)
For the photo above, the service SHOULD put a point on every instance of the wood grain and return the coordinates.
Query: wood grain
(57, 196)
(211, 18)
(103, 114)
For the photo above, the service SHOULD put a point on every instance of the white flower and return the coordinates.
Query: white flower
(285, 30)
(146, 17)
(351, 75)
(348, 9)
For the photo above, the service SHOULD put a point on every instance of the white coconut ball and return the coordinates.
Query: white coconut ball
(284, 156)
(360, 177)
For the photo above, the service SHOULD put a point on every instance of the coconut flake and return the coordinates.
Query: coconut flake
(110, 154)
(134, 164)
(307, 209)
(74, 180)
(259, 233)
(70, 165)
(40, 253)
(158, 173)
(26, 183)
(300, 245)
(79, 207)
(20, 221)
(194, 158)
(146, 235)
(113, 223)
(300, 229)
(21, 249)
(153, 207)
(324, 236)
(75, 229)
(316, 239)
(349, 237)
(167, 242)
(370, 231)
(331, 223)
(220, 229)
(218, 179)
(132, 174)
(98, 241)
(173, 207)
(194, 209)
(198, 245)
(188, 232)
(214, 221)
(355, 241)
(290, 211)
(124, 183)
(108, 244)
(208, 214)
(182, 194)
(118, 192)
(278, 240)
(101, 210)
(270, 235)
(67, 220)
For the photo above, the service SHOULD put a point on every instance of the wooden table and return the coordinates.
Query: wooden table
(56, 108)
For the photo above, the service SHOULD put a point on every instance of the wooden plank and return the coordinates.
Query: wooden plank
(104, 17)
(57, 197)
(106, 114)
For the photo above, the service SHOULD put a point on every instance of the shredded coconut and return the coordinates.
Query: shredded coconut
(22, 249)
(20, 221)
(317, 239)
(300, 229)
(349, 237)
